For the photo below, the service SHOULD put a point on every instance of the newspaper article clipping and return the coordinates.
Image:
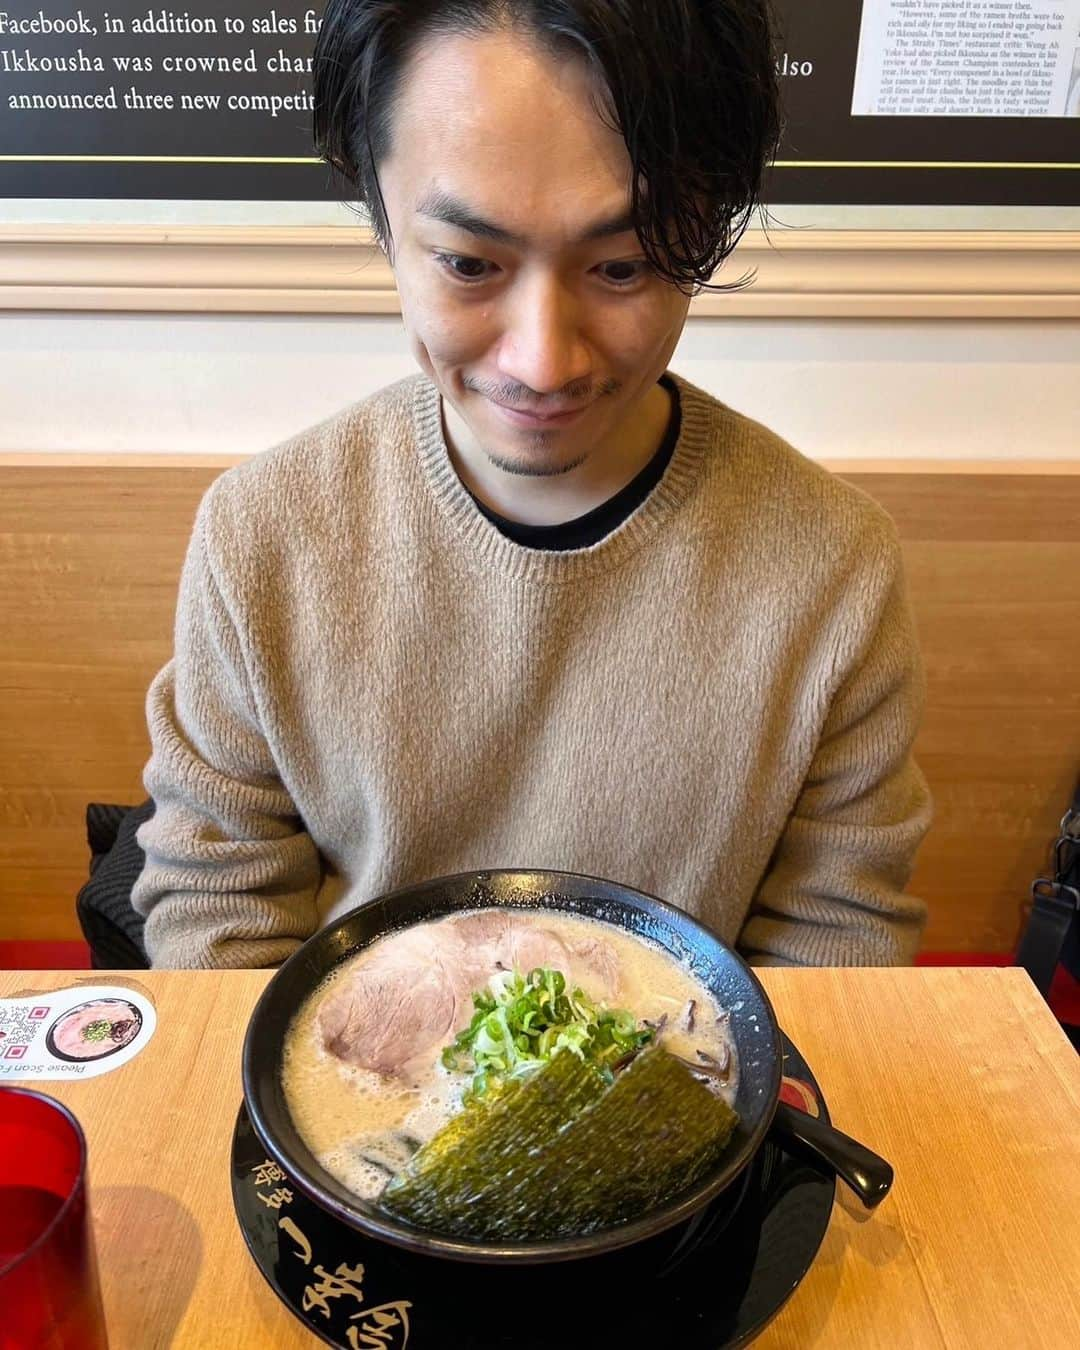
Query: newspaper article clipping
(968, 58)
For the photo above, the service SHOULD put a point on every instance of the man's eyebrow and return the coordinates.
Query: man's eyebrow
(442, 205)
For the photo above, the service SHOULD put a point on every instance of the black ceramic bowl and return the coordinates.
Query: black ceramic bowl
(725, 974)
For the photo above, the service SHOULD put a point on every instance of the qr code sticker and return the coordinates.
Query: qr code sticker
(19, 1024)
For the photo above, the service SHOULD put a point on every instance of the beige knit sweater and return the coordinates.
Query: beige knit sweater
(372, 685)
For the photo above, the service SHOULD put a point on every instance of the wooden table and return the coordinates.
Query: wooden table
(960, 1077)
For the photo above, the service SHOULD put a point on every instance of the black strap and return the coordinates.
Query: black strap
(1053, 926)
(1053, 910)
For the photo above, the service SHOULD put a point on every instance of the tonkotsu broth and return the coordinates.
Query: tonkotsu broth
(342, 1111)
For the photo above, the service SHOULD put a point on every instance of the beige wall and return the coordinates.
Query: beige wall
(851, 389)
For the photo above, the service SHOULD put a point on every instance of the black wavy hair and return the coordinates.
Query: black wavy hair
(690, 85)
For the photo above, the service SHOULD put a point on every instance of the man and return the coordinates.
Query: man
(544, 604)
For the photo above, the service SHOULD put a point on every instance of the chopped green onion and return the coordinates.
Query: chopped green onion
(521, 1021)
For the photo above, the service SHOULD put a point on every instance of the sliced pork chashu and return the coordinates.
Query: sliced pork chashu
(414, 992)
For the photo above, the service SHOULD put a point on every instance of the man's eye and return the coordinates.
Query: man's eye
(625, 273)
(463, 269)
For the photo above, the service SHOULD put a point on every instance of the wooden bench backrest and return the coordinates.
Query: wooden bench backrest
(89, 559)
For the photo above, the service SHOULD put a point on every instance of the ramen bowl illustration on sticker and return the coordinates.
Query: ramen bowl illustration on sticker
(94, 1030)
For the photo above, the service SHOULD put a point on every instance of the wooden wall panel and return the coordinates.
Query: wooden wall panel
(992, 562)
(89, 559)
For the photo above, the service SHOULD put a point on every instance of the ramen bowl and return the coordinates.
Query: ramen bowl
(752, 1026)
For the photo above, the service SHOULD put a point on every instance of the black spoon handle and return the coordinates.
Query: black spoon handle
(868, 1175)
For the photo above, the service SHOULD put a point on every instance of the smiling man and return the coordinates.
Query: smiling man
(545, 603)
(525, 292)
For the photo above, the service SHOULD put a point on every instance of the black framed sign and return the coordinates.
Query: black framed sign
(892, 102)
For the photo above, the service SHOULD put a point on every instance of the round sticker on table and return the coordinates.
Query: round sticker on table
(78, 1032)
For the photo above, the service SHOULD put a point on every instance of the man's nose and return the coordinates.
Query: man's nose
(543, 346)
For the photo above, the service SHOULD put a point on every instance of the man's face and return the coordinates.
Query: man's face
(539, 316)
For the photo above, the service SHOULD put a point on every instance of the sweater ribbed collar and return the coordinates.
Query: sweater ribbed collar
(493, 549)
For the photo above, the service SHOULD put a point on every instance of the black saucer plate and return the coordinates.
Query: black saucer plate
(708, 1284)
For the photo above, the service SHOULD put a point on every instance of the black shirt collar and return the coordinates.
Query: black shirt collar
(598, 523)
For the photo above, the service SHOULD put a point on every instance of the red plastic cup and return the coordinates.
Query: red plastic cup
(49, 1293)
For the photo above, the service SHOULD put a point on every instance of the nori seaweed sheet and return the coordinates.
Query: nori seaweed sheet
(560, 1153)
(490, 1141)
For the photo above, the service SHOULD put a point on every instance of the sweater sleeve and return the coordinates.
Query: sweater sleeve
(833, 894)
(230, 875)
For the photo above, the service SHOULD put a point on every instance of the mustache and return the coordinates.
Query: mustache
(573, 395)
